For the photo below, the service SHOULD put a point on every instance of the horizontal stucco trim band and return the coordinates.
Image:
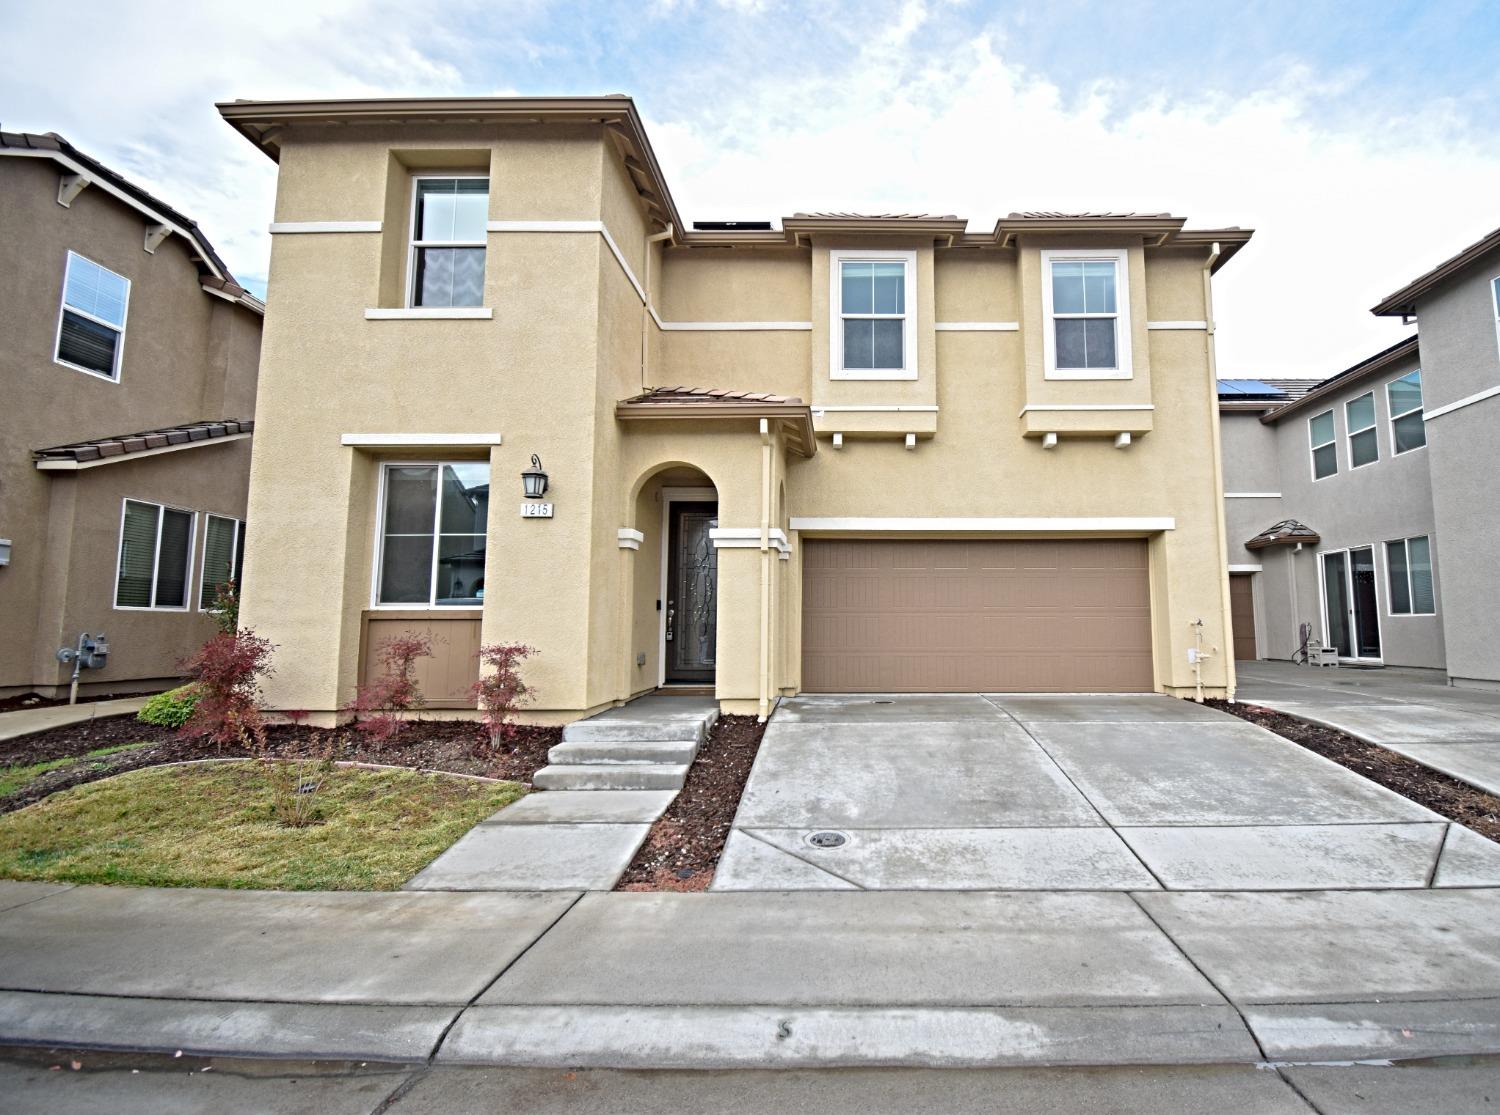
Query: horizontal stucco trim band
(1029, 525)
(1459, 404)
(1252, 495)
(577, 226)
(1244, 569)
(747, 538)
(418, 441)
(118, 458)
(977, 326)
(432, 313)
(1087, 406)
(283, 228)
(735, 326)
(876, 409)
(1176, 325)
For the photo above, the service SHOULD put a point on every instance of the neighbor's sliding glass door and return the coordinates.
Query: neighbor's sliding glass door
(1350, 605)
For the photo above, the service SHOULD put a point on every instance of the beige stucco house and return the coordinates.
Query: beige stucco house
(129, 363)
(908, 456)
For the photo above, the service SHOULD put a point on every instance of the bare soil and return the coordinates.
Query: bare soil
(1454, 799)
(683, 847)
(453, 746)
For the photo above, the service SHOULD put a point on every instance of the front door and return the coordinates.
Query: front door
(692, 593)
(1350, 603)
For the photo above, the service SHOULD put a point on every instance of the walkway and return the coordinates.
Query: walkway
(1414, 712)
(24, 721)
(1131, 793)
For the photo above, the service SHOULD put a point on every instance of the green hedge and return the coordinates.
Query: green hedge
(170, 709)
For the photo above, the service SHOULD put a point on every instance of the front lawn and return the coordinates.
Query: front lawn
(15, 777)
(213, 825)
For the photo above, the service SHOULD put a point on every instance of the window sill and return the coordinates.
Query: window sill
(873, 373)
(1089, 373)
(447, 313)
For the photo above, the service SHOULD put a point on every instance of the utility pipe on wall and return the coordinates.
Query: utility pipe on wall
(1221, 533)
(763, 707)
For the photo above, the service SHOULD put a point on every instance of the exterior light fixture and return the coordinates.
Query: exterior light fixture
(534, 480)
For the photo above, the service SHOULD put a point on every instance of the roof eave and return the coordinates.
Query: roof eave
(799, 415)
(1007, 228)
(1380, 362)
(1403, 303)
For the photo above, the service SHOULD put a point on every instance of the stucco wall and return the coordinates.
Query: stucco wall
(186, 356)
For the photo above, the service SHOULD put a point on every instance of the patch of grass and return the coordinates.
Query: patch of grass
(14, 778)
(212, 826)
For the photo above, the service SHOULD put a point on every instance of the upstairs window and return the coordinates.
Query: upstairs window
(1359, 422)
(156, 549)
(223, 549)
(450, 216)
(1325, 454)
(874, 296)
(91, 327)
(1085, 303)
(1404, 399)
(432, 534)
(1409, 563)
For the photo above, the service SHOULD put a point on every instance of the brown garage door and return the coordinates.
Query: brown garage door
(975, 616)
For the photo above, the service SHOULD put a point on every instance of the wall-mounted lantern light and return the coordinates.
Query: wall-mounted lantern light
(534, 480)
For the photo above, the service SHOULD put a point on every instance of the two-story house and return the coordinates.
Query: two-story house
(1363, 510)
(129, 364)
(907, 456)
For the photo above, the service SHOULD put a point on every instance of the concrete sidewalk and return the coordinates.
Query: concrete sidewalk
(699, 981)
(24, 721)
(1413, 712)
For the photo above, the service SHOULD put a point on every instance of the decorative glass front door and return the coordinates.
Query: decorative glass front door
(1350, 603)
(692, 593)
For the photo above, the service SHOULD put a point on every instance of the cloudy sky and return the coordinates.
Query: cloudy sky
(1360, 140)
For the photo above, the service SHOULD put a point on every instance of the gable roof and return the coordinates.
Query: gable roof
(1404, 301)
(1288, 532)
(214, 273)
(109, 450)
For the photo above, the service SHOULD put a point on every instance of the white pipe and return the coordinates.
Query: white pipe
(1221, 533)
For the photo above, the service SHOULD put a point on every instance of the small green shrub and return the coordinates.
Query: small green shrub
(170, 709)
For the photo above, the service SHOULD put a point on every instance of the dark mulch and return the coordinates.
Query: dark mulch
(453, 746)
(1456, 800)
(683, 848)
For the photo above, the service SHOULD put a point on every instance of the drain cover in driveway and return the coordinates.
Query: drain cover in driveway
(827, 839)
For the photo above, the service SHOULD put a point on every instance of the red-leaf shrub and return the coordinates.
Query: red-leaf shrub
(377, 706)
(228, 670)
(500, 691)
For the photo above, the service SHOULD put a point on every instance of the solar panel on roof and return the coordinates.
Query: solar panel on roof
(1254, 387)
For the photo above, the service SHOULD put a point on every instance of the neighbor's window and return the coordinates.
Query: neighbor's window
(1325, 454)
(1404, 397)
(1087, 331)
(873, 298)
(223, 549)
(91, 328)
(432, 534)
(449, 219)
(1409, 562)
(156, 549)
(1359, 423)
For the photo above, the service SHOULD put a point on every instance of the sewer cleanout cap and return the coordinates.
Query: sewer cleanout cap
(827, 839)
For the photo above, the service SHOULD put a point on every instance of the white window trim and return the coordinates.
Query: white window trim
(1124, 368)
(1495, 298)
(1391, 416)
(1349, 433)
(1390, 600)
(234, 552)
(908, 370)
(63, 305)
(413, 245)
(187, 569)
(1312, 459)
(379, 550)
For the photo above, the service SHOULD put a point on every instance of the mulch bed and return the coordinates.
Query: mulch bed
(683, 847)
(452, 746)
(1456, 800)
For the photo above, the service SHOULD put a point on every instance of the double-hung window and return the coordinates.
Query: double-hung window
(1086, 315)
(1404, 398)
(1321, 438)
(432, 534)
(156, 552)
(875, 319)
(91, 326)
(450, 217)
(1359, 427)
(223, 549)
(1409, 563)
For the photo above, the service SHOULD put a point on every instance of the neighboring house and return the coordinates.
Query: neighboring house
(127, 342)
(1366, 505)
(918, 458)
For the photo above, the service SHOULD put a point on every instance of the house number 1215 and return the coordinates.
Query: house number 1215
(536, 511)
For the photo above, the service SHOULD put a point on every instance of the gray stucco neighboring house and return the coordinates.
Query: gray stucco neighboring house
(1367, 505)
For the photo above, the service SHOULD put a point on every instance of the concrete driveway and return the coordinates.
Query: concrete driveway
(1414, 712)
(1137, 793)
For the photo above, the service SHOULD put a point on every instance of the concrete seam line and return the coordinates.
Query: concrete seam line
(815, 866)
(1245, 1022)
(399, 1091)
(1300, 1094)
(66, 887)
(452, 1022)
(1438, 859)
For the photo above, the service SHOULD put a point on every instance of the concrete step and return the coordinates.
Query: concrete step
(628, 751)
(611, 776)
(599, 730)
